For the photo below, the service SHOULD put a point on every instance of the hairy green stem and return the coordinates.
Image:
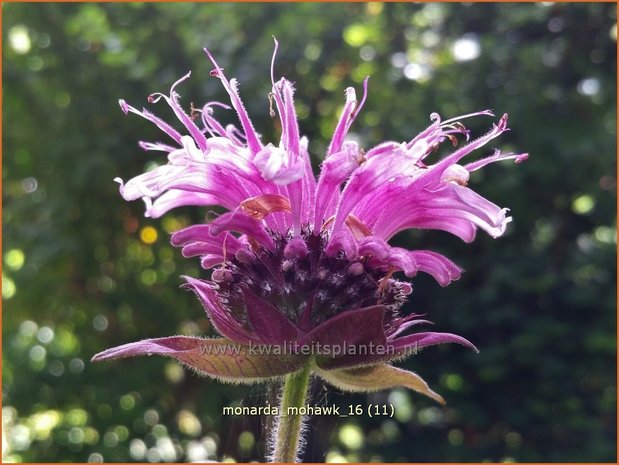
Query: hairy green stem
(287, 433)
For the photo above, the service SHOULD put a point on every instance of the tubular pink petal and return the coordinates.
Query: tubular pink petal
(372, 175)
(335, 169)
(156, 146)
(410, 207)
(497, 156)
(182, 116)
(406, 325)
(174, 198)
(420, 340)
(278, 165)
(343, 241)
(210, 123)
(309, 183)
(374, 247)
(196, 249)
(304, 260)
(402, 259)
(165, 127)
(383, 148)
(342, 126)
(252, 138)
(349, 114)
(296, 248)
(223, 245)
(438, 266)
(195, 233)
(497, 130)
(468, 115)
(211, 260)
(290, 127)
(363, 99)
(275, 48)
(237, 221)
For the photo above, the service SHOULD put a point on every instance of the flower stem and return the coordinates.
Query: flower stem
(287, 433)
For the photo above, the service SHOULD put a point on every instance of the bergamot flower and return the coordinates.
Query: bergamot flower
(302, 273)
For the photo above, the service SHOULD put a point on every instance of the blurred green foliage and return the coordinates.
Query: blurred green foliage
(83, 270)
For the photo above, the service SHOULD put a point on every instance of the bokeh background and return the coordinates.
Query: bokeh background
(83, 270)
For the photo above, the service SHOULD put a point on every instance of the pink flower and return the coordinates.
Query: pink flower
(299, 261)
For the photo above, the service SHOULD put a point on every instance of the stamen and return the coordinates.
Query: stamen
(225, 251)
(296, 248)
(193, 112)
(260, 206)
(459, 126)
(254, 244)
(271, 111)
(384, 282)
(356, 226)
(453, 139)
(362, 159)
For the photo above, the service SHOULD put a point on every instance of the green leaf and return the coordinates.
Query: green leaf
(376, 378)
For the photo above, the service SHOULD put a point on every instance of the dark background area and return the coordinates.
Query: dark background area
(83, 270)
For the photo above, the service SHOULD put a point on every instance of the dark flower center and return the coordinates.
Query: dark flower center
(293, 281)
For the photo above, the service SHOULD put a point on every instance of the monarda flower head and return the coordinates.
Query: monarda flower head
(302, 271)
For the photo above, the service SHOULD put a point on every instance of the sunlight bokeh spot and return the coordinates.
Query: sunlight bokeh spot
(14, 259)
(127, 402)
(148, 235)
(19, 39)
(335, 457)
(402, 405)
(174, 372)
(8, 287)
(454, 382)
(583, 204)
(148, 277)
(467, 48)
(455, 437)
(189, 424)
(351, 436)
(246, 440)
